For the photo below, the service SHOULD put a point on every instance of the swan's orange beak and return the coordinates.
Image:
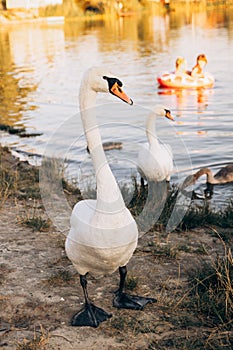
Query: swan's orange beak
(168, 115)
(117, 91)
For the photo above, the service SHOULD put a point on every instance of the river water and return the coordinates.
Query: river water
(41, 67)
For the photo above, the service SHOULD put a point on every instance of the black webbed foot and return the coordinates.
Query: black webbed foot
(134, 302)
(90, 315)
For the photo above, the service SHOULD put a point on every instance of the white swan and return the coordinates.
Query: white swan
(103, 234)
(155, 161)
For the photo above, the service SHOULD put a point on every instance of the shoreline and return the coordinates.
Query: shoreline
(17, 16)
(40, 288)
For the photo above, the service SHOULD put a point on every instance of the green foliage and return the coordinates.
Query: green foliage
(204, 215)
(196, 216)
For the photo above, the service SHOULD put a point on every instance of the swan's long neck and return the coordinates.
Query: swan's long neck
(209, 175)
(151, 131)
(108, 193)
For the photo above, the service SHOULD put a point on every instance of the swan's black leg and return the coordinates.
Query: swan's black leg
(90, 315)
(126, 301)
(142, 183)
(168, 185)
(209, 191)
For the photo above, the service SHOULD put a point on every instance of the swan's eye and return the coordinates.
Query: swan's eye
(112, 82)
(168, 114)
(119, 83)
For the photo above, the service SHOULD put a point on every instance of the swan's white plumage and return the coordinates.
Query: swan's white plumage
(155, 163)
(155, 160)
(98, 229)
(103, 233)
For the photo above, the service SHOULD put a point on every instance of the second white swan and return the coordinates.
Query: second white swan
(155, 160)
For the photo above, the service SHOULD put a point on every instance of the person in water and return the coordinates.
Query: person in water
(181, 66)
(181, 69)
(197, 70)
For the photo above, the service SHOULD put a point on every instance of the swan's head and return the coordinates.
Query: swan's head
(99, 79)
(162, 111)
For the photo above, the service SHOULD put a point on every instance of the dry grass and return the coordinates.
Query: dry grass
(195, 216)
(60, 277)
(188, 272)
(212, 290)
(34, 219)
(204, 215)
(210, 297)
(38, 342)
(131, 282)
(8, 182)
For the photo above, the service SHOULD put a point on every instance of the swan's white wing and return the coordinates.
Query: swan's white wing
(100, 242)
(156, 163)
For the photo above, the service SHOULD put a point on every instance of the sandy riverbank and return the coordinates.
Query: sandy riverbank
(40, 289)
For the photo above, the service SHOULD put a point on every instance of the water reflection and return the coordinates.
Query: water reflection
(28, 52)
(42, 65)
(13, 91)
(187, 97)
